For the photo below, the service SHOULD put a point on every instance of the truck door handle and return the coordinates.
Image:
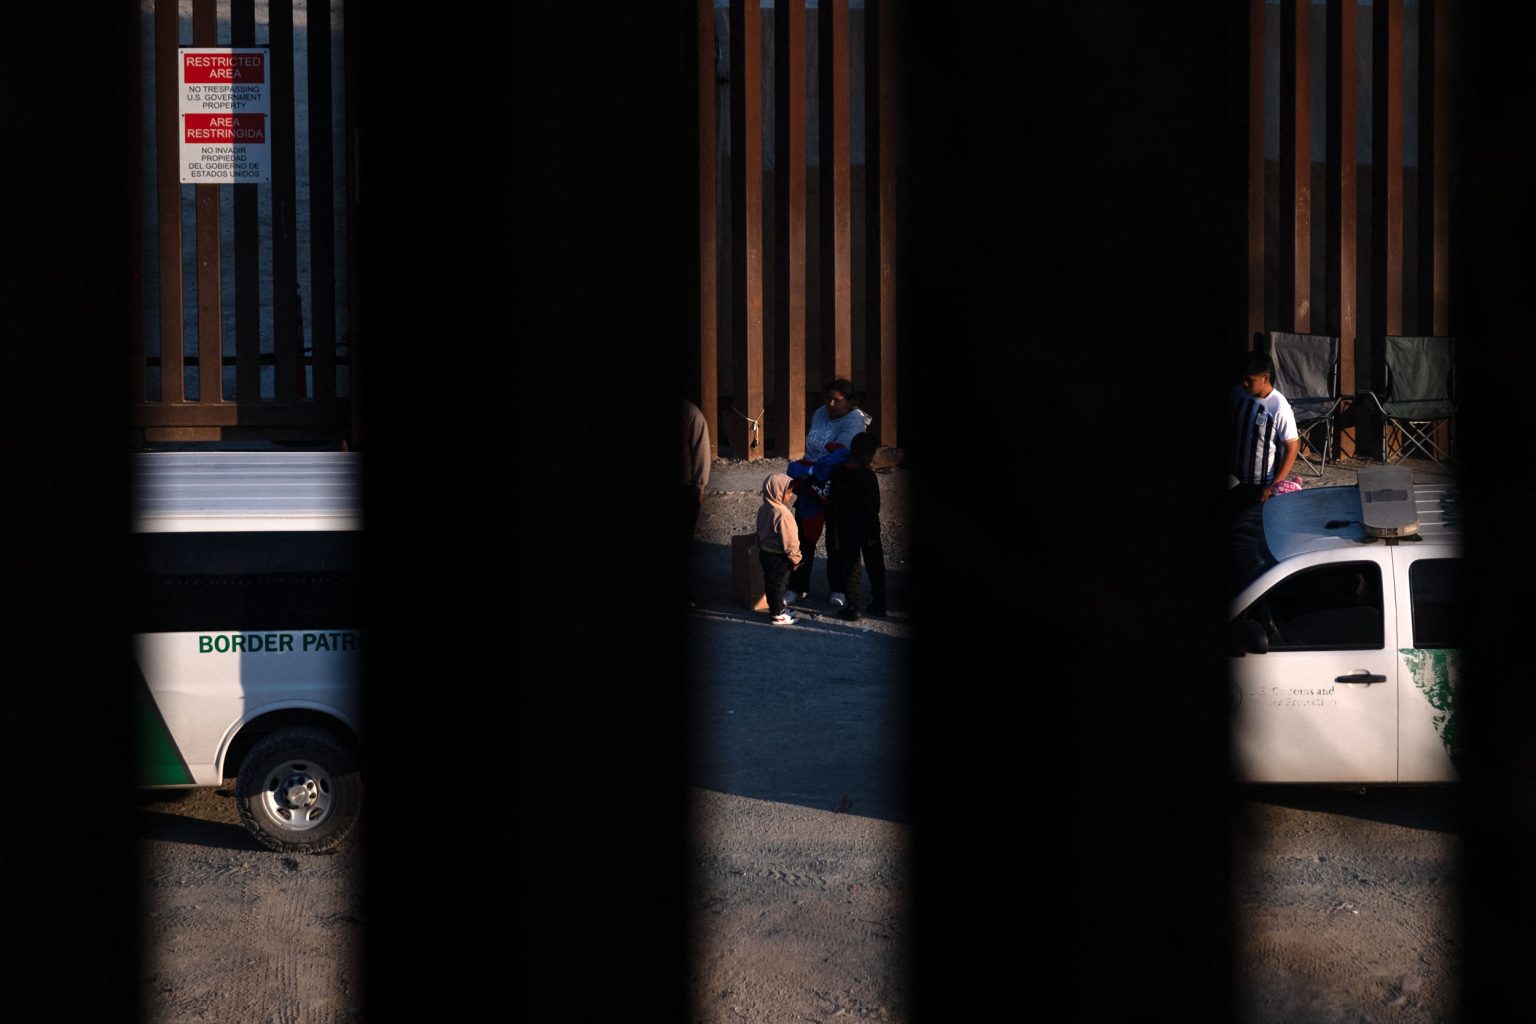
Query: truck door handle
(1360, 677)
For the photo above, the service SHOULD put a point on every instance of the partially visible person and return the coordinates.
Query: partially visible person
(778, 545)
(853, 530)
(833, 425)
(1266, 439)
(695, 472)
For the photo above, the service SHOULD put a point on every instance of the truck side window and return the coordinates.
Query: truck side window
(1327, 607)
(1434, 586)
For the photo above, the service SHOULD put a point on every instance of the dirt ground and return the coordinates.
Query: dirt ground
(1344, 905)
(235, 932)
(799, 915)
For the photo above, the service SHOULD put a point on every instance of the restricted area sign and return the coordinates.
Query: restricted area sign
(226, 108)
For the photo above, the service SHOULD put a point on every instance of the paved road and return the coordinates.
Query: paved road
(808, 718)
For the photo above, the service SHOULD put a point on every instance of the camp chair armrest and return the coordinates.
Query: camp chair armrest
(1372, 396)
(1321, 410)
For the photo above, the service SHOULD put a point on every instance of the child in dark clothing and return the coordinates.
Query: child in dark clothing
(853, 529)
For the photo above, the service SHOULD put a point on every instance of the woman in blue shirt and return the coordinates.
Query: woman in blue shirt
(838, 421)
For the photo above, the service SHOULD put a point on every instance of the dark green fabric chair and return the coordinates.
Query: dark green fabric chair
(1307, 374)
(1420, 394)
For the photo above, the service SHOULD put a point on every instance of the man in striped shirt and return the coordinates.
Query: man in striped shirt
(1263, 423)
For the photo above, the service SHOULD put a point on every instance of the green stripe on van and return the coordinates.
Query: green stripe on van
(159, 762)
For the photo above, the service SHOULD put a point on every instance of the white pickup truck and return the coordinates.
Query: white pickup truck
(247, 646)
(1346, 635)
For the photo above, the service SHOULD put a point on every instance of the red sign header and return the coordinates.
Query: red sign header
(200, 68)
(226, 129)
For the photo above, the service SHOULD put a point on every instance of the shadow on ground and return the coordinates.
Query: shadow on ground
(1432, 808)
(710, 581)
(813, 714)
(193, 831)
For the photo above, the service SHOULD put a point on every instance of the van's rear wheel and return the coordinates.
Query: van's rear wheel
(299, 791)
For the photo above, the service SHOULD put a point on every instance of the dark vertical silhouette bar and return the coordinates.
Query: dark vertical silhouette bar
(287, 336)
(1296, 162)
(880, 218)
(247, 240)
(1434, 163)
(1302, 175)
(168, 198)
(789, 223)
(834, 97)
(1386, 173)
(137, 387)
(746, 227)
(72, 911)
(353, 197)
(1343, 163)
(1285, 242)
(322, 205)
(1422, 215)
(210, 347)
(1493, 265)
(1255, 167)
(709, 387)
(1434, 186)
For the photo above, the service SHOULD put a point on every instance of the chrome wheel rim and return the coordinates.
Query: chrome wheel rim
(298, 795)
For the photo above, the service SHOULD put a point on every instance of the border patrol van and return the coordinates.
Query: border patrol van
(247, 644)
(1346, 635)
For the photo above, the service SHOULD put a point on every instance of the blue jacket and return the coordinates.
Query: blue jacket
(811, 501)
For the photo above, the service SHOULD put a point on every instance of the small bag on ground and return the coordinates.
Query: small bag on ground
(747, 573)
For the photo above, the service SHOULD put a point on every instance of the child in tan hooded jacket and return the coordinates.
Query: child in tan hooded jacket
(778, 543)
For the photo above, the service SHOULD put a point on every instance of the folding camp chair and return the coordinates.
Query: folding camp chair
(1307, 374)
(1419, 395)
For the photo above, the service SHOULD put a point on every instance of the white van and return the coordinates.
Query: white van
(247, 645)
(1347, 635)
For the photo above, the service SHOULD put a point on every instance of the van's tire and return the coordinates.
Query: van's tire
(299, 791)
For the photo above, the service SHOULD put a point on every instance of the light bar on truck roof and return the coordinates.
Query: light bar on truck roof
(1388, 506)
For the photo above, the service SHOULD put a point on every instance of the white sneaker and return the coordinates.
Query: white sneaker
(784, 618)
(838, 600)
(790, 597)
